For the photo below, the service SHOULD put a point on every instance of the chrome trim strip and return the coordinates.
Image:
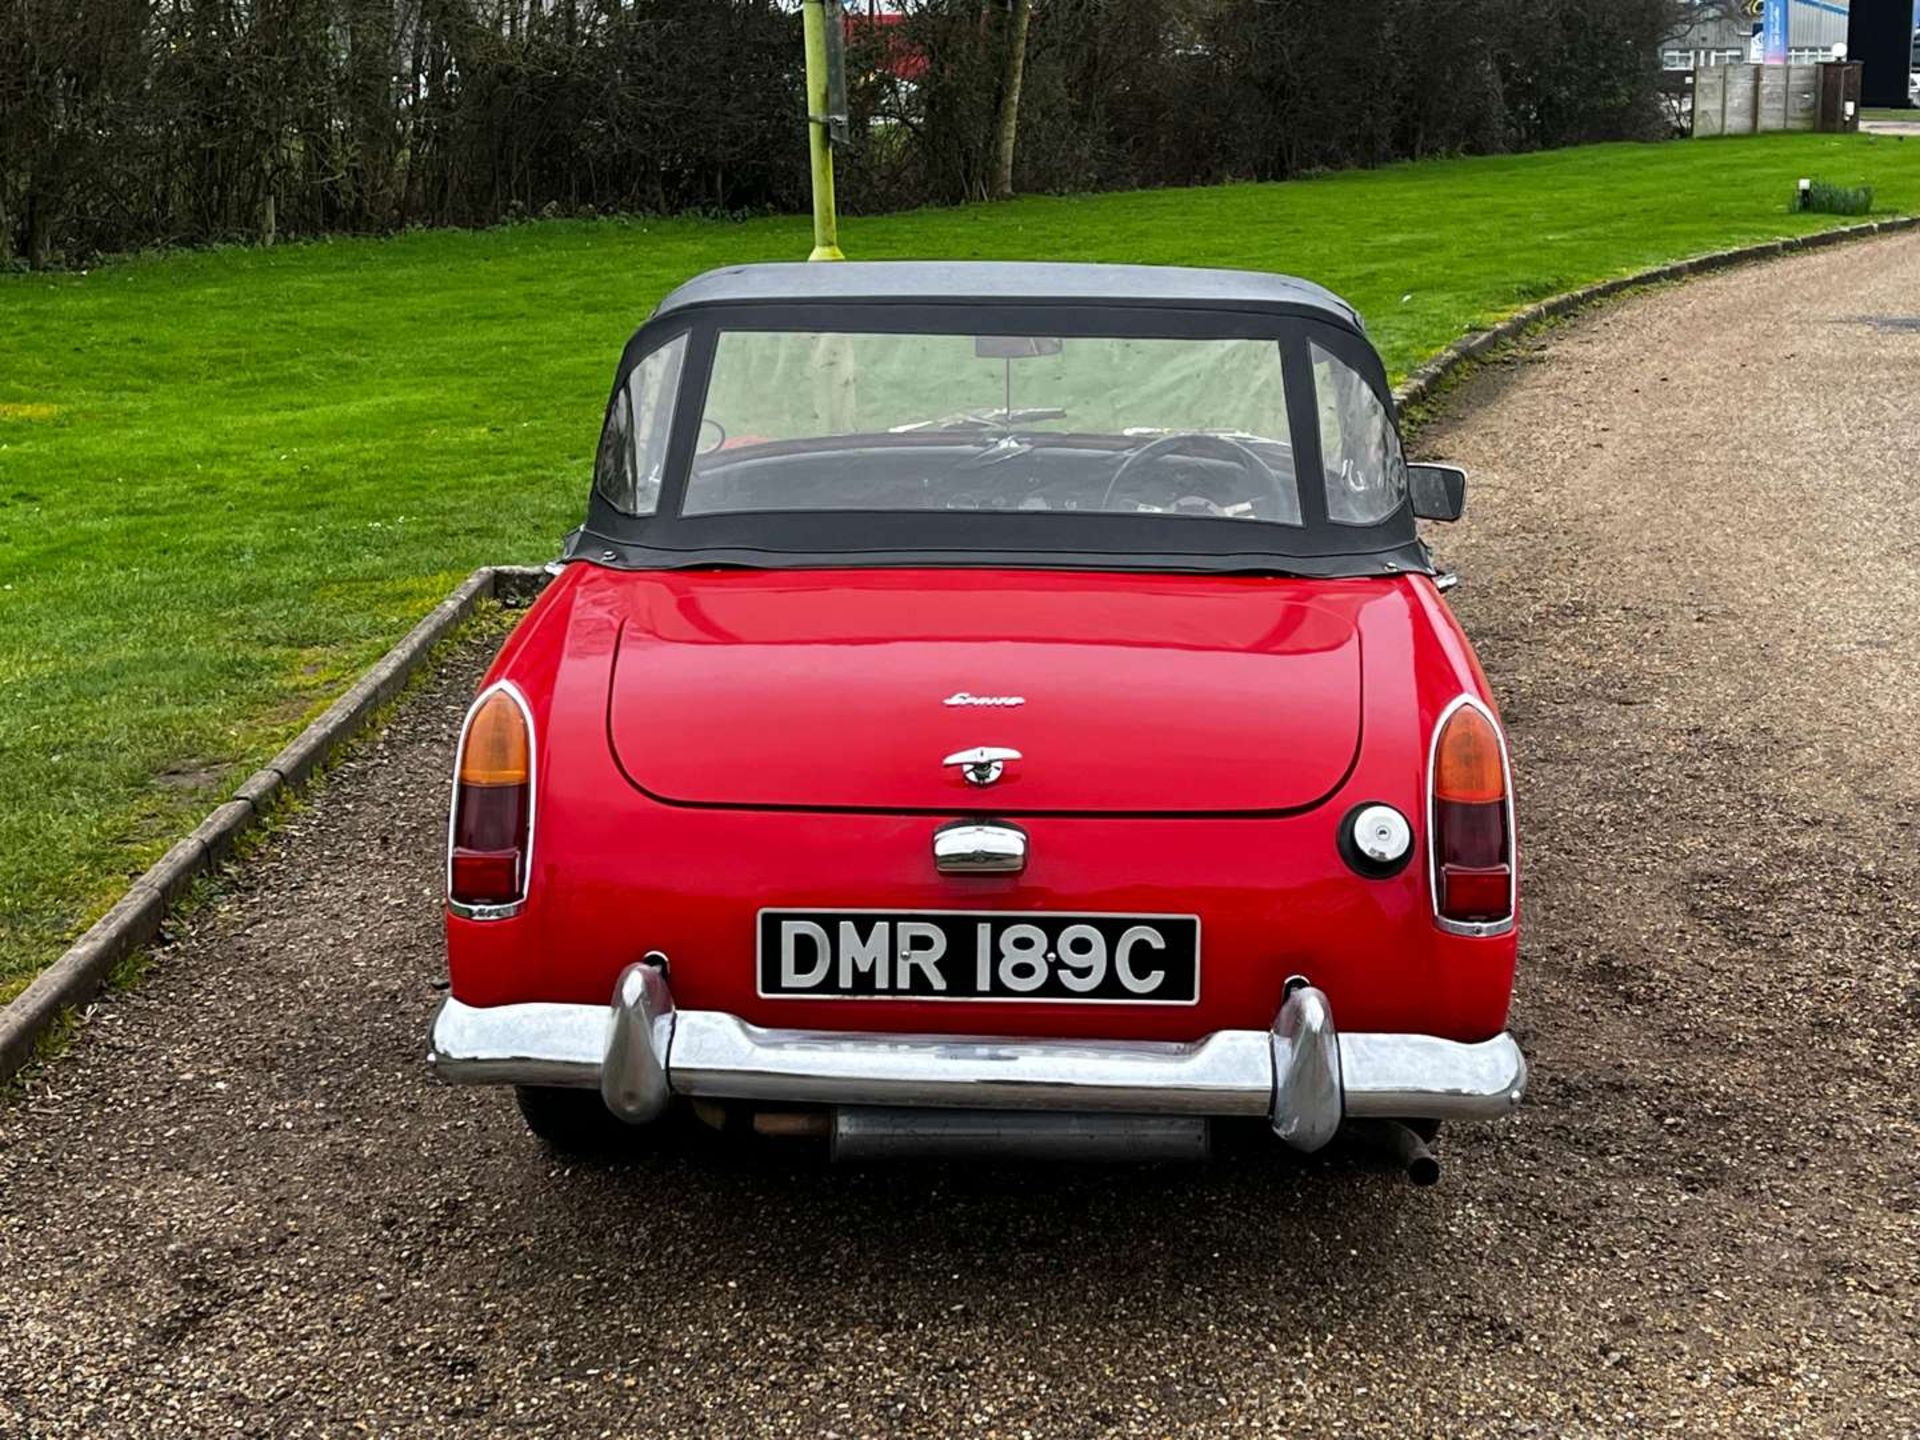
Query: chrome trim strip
(1302, 1075)
(485, 912)
(1479, 928)
(1403, 1077)
(721, 1056)
(512, 907)
(532, 1044)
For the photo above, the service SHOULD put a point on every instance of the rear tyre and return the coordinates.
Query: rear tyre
(575, 1122)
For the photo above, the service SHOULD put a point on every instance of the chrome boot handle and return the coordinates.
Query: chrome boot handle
(983, 764)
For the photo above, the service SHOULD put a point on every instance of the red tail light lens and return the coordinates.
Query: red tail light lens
(1471, 837)
(492, 830)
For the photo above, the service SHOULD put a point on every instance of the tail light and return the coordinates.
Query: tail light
(490, 838)
(1471, 824)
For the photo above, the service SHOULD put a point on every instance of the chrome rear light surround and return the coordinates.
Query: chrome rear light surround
(514, 907)
(1474, 928)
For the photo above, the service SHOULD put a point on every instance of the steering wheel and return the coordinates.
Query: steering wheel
(1221, 447)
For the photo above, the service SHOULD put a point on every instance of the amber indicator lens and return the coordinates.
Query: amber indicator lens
(492, 806)
(1472, 845)
(495, 752)
(1467, 768)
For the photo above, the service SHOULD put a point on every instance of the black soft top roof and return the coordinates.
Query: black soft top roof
(1000, 298)
(987, 281)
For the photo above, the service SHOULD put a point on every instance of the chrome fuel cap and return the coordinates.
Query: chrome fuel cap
(1382, 834)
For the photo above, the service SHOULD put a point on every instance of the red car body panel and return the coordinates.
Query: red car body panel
(1160, 694)
(709, 743)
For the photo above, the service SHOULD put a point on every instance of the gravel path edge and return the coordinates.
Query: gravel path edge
(136, 916)
(1426, 383)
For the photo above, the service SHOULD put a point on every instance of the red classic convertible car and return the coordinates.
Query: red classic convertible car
(991, 707)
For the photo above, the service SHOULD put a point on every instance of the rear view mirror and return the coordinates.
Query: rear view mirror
(1015, 347)
(1439, 491)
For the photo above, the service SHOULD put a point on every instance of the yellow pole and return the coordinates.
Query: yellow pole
(825, 228)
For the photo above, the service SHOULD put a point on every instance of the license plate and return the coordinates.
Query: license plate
(979, 955)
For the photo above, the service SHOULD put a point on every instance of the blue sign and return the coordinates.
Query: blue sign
(1773, 32)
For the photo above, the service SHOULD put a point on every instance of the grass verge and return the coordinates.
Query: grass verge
(488, 624)
(230, 479)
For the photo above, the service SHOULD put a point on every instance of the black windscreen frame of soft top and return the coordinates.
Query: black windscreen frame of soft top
(787, 539)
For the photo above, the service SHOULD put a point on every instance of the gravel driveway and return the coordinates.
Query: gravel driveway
(240, 1206)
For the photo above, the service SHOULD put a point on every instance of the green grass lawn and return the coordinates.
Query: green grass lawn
(230, 479)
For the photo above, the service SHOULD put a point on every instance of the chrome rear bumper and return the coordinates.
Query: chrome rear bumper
(1301, 1073)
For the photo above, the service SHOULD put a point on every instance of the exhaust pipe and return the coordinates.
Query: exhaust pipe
(1406, 1149)
(868, 1132)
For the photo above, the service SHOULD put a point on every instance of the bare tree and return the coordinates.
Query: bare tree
(1007, 121)
(1684, 15)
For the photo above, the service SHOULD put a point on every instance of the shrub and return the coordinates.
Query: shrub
(1824, 198)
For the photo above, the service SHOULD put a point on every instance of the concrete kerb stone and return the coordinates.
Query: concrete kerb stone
(173, 873)
(219, 832)
(78, 973)
(259, 788)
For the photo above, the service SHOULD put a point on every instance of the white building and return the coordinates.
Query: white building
(1727, 32)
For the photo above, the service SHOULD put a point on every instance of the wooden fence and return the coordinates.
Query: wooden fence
(1747, 99)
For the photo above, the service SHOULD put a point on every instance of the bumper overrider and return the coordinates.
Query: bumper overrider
(1301, 1073)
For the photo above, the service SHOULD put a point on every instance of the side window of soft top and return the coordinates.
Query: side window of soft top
(1366, 472)
(633, 442)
